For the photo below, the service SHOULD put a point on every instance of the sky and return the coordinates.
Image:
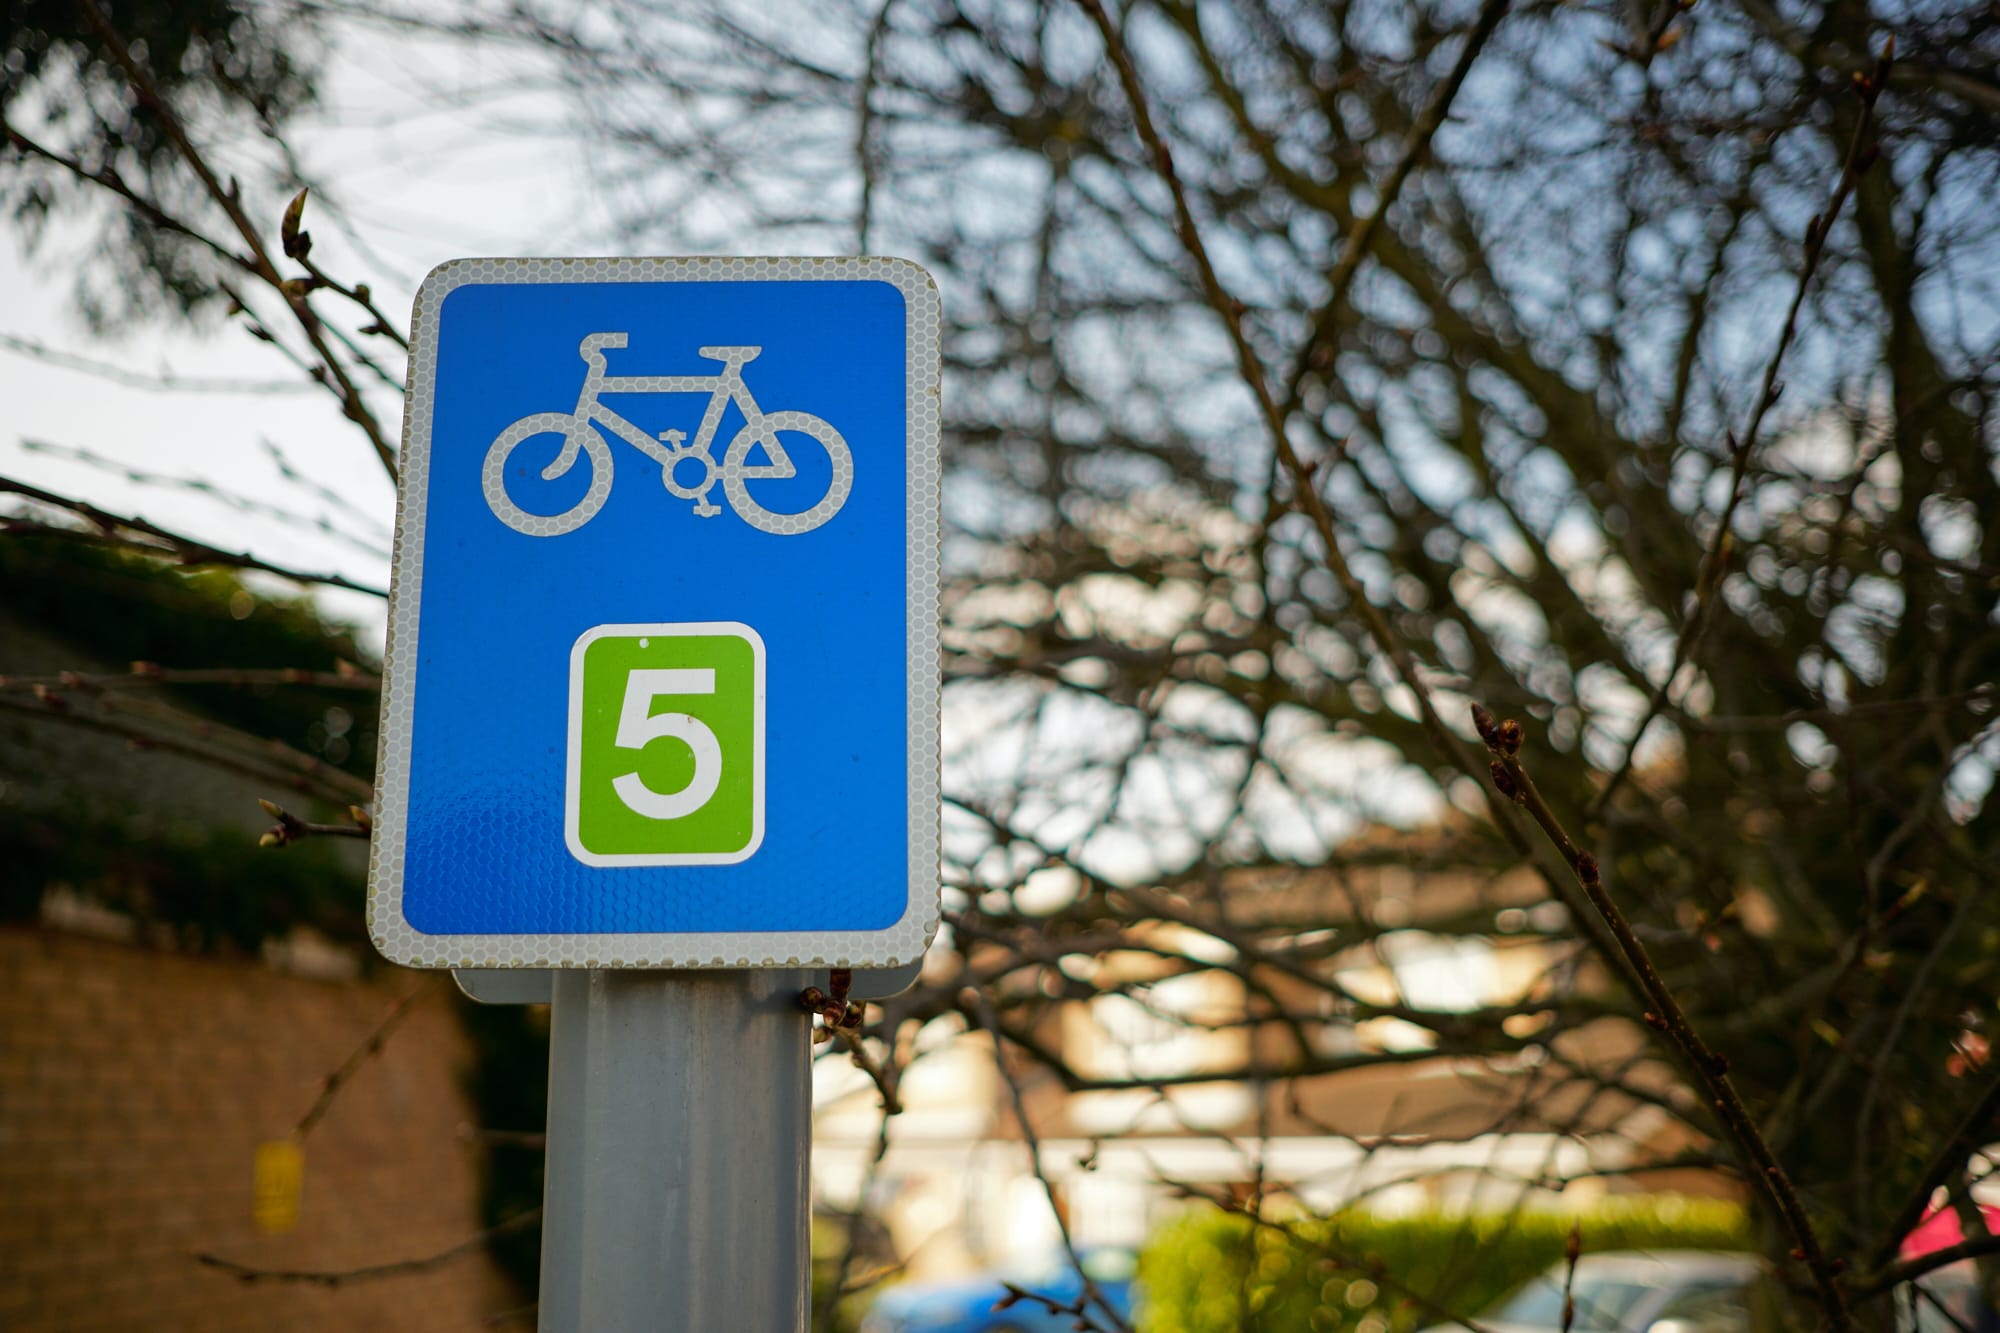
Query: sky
(432, 151)
(436, 150)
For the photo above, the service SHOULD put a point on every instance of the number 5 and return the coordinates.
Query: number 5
(638, 727)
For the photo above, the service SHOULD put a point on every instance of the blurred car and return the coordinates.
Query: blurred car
(1945, 1300)
(966, 1305)
(1635, 1291)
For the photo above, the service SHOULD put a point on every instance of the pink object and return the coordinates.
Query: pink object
(1940, 1230)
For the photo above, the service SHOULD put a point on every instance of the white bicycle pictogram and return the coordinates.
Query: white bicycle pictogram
(734, 471)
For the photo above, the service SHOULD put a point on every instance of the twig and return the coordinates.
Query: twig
(864, 128)
(1905, 1270)
(1511, 779)
(290, 828)
(527, 1140)
(166, 381)
(508, 1316)
(1919, 1292)
(1415, 144)
(884, 1079)
(1572, 1252)
(1892, 1040)
(298, 247)
(1971, 1132)
(1655, 40)
(145, 674)
(840, 1021)
(108, 178)
(295, 293)
(370, 1047)
(1305, 494)
(321, 491)
(248, 1275)
(302, 773)
(1873, 708)
(112, 529)
(974, 1000)
(208, 490)
(1860, 156)
(843, 1268)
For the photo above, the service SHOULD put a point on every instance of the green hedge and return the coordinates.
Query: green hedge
(118, 608)
(213, 886)
(1213, 1272)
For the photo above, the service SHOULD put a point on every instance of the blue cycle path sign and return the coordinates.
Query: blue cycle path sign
(662, 678)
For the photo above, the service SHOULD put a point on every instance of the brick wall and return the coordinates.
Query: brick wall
(134, 1088)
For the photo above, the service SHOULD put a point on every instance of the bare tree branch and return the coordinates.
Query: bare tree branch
(250, 1275)
(136, 534)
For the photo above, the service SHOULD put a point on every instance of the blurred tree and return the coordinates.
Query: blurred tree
(1583, 454)
(1651, 401)
(239, 72)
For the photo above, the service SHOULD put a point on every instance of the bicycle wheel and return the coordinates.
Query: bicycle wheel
(579, 440)
(801, 423)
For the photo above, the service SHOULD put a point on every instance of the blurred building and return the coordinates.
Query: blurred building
(1398, 1127)
(136, 1084)
(171, 998)
(162, 1021)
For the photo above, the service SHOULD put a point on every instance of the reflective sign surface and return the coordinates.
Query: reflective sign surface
(662, 681)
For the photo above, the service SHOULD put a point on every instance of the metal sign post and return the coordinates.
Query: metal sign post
(680, 1123)
(660, 721)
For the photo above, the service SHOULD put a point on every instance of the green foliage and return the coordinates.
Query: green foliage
(219, 51)
(222, 64)
(1213, 1272)
(211, 883)
(211, 886)
(120, 608)
(507, 1083)
(829, 1242)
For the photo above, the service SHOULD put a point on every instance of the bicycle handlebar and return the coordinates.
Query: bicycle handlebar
(595, 343)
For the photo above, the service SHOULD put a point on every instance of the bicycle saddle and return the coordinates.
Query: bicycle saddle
(735, 355)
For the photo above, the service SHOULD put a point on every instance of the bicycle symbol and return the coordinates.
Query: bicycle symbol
(734, 471)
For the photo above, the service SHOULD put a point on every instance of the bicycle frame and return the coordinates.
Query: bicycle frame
(590, 425)
(723, 387)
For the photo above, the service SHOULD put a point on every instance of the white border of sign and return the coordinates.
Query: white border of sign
(898, 944)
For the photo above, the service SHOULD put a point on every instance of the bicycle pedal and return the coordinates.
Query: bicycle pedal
(673, 436)
(707, 508)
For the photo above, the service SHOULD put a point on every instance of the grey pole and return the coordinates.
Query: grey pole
(680, 1117)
